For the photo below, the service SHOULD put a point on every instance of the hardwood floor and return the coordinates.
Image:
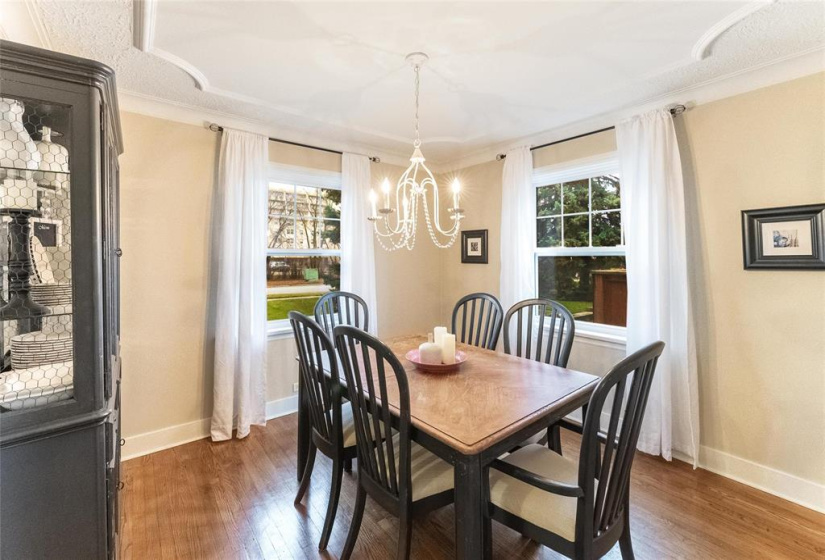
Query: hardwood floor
(234, 500)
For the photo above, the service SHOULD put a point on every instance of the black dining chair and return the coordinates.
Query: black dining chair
(332, 429)
(580, 510)
(480, 316)
(544, 332)
(342, 308)
(403, 477)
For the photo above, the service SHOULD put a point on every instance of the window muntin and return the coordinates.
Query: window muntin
(580, 248)
(304, 247)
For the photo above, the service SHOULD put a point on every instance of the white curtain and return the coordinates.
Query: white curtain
(240, 318)
(518, 228)
(357, 256)
(658, 307)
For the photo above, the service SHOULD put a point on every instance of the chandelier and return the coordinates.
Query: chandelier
(396, 221)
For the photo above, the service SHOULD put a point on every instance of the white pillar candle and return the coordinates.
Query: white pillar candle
(448, 349)
(438, 334)
(429, 352)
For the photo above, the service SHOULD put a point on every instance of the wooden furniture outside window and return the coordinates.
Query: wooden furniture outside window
(610, 297)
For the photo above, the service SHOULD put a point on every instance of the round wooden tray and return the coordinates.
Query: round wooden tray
(413, 356)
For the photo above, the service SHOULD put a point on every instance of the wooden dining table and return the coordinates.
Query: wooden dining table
(470, 417)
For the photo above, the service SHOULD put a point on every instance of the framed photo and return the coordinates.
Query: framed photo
(474, 246)
(784, 238)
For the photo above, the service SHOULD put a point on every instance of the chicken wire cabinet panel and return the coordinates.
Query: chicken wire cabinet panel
(59, 313)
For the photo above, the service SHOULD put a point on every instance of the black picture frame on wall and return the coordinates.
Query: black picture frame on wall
(474, 246)
(789, 238)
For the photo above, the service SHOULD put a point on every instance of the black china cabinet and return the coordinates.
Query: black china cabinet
(59, 306)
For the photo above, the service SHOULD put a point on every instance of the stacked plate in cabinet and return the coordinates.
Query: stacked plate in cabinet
(38, 348)
(52, 295)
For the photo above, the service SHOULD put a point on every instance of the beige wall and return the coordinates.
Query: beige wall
(167, 178)
(167, 183)
(760, 334)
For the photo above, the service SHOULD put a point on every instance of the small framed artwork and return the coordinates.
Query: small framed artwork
(49, 232)
(474, 246)
(790, 238)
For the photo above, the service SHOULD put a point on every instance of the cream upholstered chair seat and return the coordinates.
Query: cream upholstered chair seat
(551, 512)
(430, 474)
(348, 426)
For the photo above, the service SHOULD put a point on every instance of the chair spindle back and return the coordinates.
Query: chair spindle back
(342, 308)
(480, 316)
(629, 385)
(532, 340)
(322, 390)
(368, 367)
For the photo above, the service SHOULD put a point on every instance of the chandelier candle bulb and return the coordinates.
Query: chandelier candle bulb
(429, 352)
(448, 349)
(456, 192)
(385, 188)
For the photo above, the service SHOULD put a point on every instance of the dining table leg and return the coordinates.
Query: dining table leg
(303, 432)
(469, 508)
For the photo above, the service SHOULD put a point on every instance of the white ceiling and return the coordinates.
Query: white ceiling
(498, 71)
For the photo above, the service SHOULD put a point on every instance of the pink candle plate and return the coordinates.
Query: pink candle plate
(413, 356)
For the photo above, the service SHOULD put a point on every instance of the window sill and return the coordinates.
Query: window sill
(602, 335)
(277, 330)
(606, 336)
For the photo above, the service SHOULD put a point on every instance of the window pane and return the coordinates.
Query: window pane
(576, 194)
(548, 200)
(577, 231)
(309, 202)
(307, 234)
(548, 232)
(594, 289)
(281, 232)
(331, 200)
(330, 233)
(281, 199)
(607, 229)
(606, 193)
(295, 283)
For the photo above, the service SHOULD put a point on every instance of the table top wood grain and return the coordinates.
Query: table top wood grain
(491, 397)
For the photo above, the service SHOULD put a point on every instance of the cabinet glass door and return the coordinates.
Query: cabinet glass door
(36, 293)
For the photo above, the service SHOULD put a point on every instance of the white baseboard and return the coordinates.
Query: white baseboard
(790, 487)
(152, 442)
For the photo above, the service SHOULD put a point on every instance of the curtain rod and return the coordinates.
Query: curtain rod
(675, 110)
(217, 128)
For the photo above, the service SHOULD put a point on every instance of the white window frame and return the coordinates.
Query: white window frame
(305, 177)
(585, 168)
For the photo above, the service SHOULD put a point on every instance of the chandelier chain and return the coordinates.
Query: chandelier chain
(417, 68)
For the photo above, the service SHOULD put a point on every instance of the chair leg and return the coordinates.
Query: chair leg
(554, 438)
(355, 525)
(405, 537)
(307, 474)
(332, 508)
(625, 542)
(348, 466)
(488, 537)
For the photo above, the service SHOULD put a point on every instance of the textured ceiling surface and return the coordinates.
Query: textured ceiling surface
(498, 71)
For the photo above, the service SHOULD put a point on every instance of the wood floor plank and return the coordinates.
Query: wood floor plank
(235, 500)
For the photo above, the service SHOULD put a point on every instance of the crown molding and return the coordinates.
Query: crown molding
(782, 70)
(701, 49)
(135, 102)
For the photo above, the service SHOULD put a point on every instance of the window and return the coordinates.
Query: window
(580, 256)
(304, 246)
